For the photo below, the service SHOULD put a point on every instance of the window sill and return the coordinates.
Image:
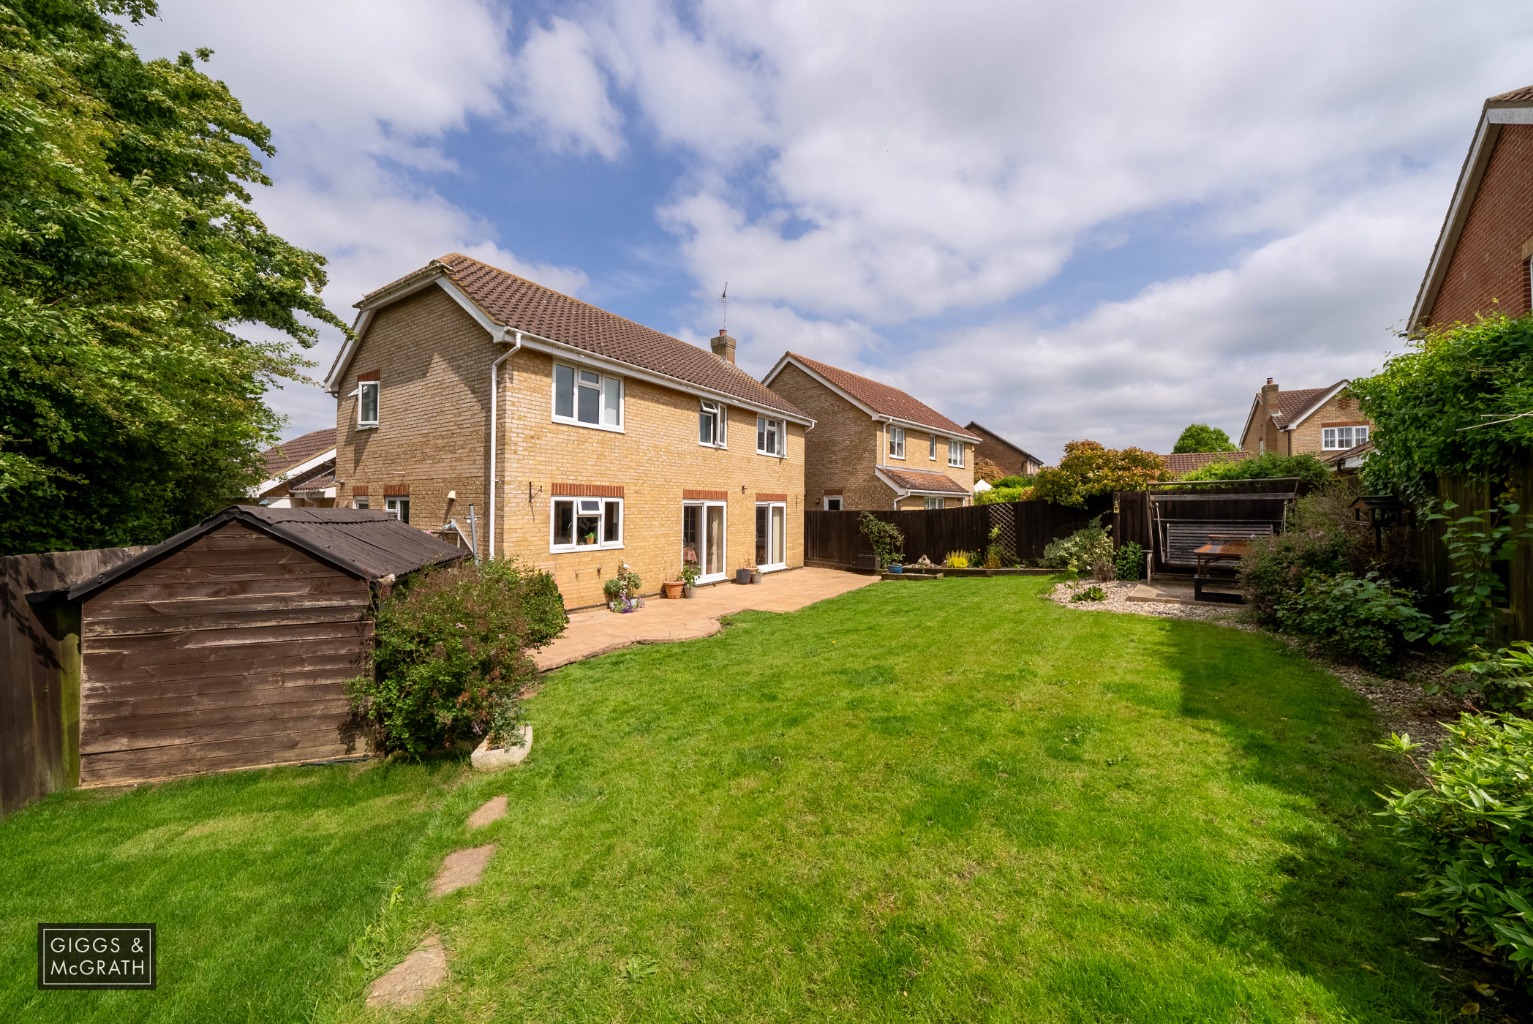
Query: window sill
(588, 426)
(719, 447)
(367, 426)
(566, 549)
(772, 455)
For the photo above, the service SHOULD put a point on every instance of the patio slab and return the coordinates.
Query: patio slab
(596, 631)
(1164, 593)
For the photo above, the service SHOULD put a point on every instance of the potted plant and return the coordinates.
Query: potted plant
(622, 589)
(755, 573)
(689, 574)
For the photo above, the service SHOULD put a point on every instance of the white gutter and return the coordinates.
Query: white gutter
(516, 347)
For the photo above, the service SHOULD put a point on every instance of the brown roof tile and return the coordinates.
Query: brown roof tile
(315, 483)
(922, 480)
(1292, 403)
(1523, 95)
(523, 305)
(280, 458)
(1185, 462)
(883, 399)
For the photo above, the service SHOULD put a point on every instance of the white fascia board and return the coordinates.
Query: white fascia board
(436, 276)
(1314, 406)
(788, 360)
(928, 428)
(1485, 135)
(298, 470)
(1256, 405)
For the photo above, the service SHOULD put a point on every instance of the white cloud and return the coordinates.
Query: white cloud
(562, 92)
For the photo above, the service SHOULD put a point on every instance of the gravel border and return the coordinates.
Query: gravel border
(1402, 705)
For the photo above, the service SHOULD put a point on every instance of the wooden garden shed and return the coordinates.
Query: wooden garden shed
(228, 645)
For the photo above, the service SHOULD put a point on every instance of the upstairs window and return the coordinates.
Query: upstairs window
(955, 453)
(896, 442)
(711, 424)
(769, 436)
(1339, 439)
(932, 451)
(587, 523)
(367, 403)
(587, 398)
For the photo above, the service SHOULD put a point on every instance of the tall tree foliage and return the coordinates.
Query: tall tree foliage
(1089, 468)
(1453, 404)
(1200, 437)
(132, 271)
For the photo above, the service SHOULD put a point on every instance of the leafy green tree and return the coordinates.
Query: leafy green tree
(144, 308)
(1089, 468)
(1266, 466)
(1200, 437)
(1456, 403)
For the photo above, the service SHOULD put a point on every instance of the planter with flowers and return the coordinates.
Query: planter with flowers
(622, 590)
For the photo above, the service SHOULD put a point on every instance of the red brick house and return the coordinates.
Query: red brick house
(1480, 262)
(1010, 458)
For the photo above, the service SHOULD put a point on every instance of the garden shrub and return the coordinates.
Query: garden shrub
(451, 654)
(1360, 619)
(1128, 561)
(884, 537)
(1470, 835)
(1015, 480)
(1503, 679)
(1083, 551)
(1091, 593)
(1004, 495)
(1267, 466)
(959, 559)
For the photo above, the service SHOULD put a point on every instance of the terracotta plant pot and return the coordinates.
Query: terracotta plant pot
(671, 591)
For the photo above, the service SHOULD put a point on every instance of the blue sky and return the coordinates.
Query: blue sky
(1064, 220)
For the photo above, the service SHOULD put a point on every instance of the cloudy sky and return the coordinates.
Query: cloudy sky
(1068, 219)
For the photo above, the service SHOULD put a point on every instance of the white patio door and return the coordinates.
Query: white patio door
(771, 535)
(703, 538)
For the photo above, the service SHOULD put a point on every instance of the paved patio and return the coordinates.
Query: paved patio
(596, 630)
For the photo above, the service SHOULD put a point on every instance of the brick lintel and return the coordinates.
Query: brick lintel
(586, 490)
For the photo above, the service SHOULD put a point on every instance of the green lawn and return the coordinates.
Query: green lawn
(947, 801)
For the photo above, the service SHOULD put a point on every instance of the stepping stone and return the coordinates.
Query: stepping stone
(411, 981)
(462, 868)
(492, 809)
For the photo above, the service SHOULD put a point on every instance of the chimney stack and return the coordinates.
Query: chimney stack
(724, 346)
(1269, 396)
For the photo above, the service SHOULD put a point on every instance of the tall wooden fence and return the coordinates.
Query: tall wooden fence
(39, 709)
(1516, 618)
(1027, 527)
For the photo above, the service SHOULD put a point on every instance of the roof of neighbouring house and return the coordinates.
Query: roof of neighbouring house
(315, 483)
(1292, 405)
(881, 398)
(280, 458)
(1186, 462)
(923, 480)
(371, 545)
(519, 304)
(980, 428)
(1351, 453)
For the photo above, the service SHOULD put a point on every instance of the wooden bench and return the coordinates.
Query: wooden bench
(1180, 539)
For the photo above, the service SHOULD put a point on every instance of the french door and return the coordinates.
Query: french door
(771, 535)
(703, 538)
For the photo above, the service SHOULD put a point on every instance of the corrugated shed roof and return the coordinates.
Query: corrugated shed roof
(282, 457)
(368, 544)
(923, 480)
(883, 399)
(524, 305)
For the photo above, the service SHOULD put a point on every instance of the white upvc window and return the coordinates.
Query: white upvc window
(367, 403)
(580, 523)
(587, 398)
(1339, 439)
(833, 503)
(954, 452)
(361, 501)
(896, 442)
(931, 453)
(398, 507)
(712, 424)
(932, 502)
(770, 436)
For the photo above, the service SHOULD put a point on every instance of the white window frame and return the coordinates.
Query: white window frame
(719, 412)
(931, 452)
(603, 393)
(771, 506)
(766, 424)
(955, 448)
(1330, 437)
(932, 501)
(896, 442)
(377, 390)
(580, 503)
(392, 503)
(827, 499)
(361, 501)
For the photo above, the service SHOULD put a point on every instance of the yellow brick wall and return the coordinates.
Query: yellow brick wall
(433, 420)
(1340, 410)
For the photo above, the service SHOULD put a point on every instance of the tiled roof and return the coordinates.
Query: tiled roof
(980, 428)
(1523, 95)
(922, 480)
(883, 399)
(523, 305)
(288, 454)
(316, 483)
(1185, 462)
(1355, 450)
(1292, 403)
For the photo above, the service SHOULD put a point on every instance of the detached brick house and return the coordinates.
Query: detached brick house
(1012, 460)
(873, 446)
(541, 427)
(299, 473)
(1480, 262)
(1320, 421)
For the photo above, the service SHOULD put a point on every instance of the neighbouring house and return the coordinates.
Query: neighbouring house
(1320, 421)
(299, 473)
(1480, 262)
(1351, 460)
(537, 426)
(229, 645)
(1010, 459)
(873, 446)
(1179, 464)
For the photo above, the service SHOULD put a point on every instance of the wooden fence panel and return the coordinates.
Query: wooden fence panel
(1131, 525)
(1474, 496)
(39, 703)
